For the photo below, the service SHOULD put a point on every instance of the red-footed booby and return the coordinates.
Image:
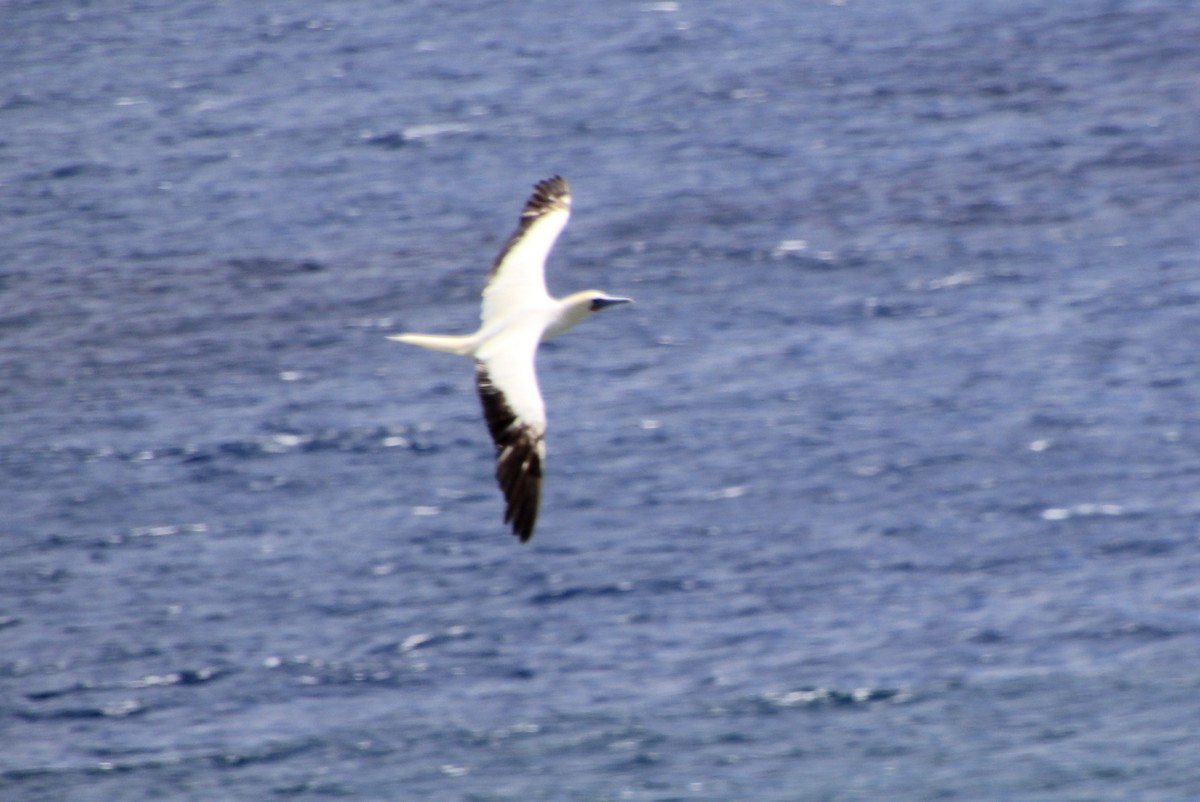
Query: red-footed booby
(518, 313)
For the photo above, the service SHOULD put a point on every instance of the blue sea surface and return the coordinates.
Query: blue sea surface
(885, 488)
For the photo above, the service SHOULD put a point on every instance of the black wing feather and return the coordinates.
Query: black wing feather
(548, 195)
(519, 454)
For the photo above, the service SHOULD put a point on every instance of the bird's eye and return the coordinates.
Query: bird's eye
(597, 304)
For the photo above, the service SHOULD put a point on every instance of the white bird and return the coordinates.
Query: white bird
(518, 313)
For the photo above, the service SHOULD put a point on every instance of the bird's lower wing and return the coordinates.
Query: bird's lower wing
(506, 379)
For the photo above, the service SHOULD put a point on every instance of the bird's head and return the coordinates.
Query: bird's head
(575, 308)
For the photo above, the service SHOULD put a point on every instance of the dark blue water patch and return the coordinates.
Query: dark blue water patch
(565, 594)
(78, 169)
(812, 697)
(183, 677)
(1143, 547)
(117, 709)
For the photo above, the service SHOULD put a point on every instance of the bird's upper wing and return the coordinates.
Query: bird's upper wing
(506, 379)
(517, 276)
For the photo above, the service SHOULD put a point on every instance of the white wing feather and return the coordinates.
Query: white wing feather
(517, 279)
(510, 358)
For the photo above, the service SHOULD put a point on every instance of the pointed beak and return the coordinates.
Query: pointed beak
(603, 302)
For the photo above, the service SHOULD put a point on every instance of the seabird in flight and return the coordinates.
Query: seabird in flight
(518, 313)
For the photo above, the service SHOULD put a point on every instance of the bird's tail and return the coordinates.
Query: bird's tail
(463, 344)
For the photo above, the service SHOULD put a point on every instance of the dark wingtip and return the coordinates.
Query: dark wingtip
(518, 457)
(555, 184)
(548, 194)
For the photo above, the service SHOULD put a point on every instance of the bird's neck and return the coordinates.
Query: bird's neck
(571, 310)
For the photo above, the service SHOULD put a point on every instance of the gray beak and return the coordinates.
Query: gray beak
(600, 303)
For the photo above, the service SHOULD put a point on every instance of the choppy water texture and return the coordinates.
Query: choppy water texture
(885, 488)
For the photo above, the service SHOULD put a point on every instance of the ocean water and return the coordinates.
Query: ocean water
(886, 487)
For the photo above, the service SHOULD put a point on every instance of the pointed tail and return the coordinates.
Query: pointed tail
(450, 343)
